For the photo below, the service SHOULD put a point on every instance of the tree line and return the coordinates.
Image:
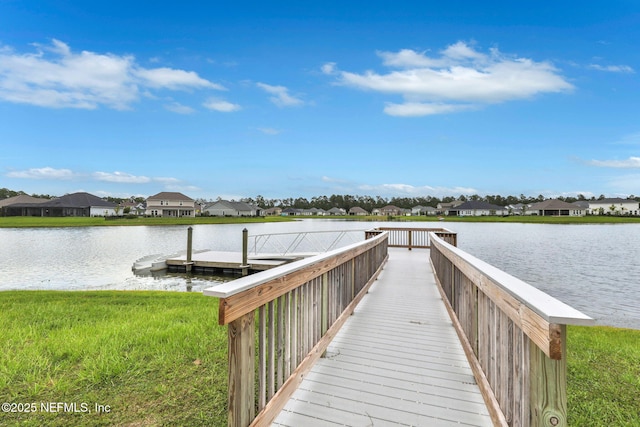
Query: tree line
(347, 201)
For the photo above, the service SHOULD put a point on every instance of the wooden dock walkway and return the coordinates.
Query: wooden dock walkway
(396, 361)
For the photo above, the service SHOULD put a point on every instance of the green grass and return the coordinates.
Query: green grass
(28, 221)
(160, 358)
(155, 358)
(603, 376)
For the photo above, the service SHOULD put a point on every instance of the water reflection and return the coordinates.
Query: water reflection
(593, 268)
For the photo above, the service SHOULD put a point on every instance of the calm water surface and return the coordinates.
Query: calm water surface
(593, 268)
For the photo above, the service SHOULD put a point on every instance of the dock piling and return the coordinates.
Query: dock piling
(245, 249)
(189, 262)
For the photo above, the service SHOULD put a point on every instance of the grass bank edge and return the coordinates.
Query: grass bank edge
(160, 358)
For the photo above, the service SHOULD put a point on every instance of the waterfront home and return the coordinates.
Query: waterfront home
(315, 211)
(614, 206)
(7, 207)
(230, 208)
(477, 208)
(75, 204)
(423, 210)
(336, 211)
(521, 209)
(273, 211)
(443, 208)
(391, 210)
(555, 207)
(357, 210)
(171, 204)
(291, 212)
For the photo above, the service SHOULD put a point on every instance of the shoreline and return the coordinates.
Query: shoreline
(44, 222)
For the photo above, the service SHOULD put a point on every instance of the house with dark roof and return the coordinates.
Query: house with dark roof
(7, 207)
(477, 208)
(555, 207)
(170, 204)
(75, 204)
(230, 208)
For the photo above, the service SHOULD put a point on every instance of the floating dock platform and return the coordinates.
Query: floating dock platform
(213, 261)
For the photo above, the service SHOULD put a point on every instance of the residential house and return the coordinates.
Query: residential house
(614, 206)
(423, 210)
(391, 210)
(12, 206)
(336, 211)
(521, 209)
(291, 212)
(358, 211)
(555, 207)
(477, 208)
(315, 211)
(273, 211)
(230, 208)
(443, 208)
(75, 204)
(171, 204)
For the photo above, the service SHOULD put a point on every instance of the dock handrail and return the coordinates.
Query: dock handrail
(299, 307)
(286, 243)
(514, 336)
(407, 237)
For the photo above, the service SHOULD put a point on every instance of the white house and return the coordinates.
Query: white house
(614, 206)
(170, 204)
(227, 208)
(423, 210)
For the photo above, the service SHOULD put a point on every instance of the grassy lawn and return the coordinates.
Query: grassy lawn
(159, 358)
(155, 358)
(28, 221)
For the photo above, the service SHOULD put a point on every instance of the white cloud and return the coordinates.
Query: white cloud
(630, 163)
(221, 105)
(43, 173)
(414, 109)
(335, 180)
(459, 79)
(270, 131)
(281, 97)
(179, 108)
(121, 177)
(169, 78)
(57, 77)
(410, 190)
(612, 68)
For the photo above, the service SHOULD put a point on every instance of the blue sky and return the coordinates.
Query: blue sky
(301, 99)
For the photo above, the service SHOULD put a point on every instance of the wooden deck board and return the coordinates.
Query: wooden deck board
(397, 361)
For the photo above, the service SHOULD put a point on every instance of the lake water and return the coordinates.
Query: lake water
(593, 268)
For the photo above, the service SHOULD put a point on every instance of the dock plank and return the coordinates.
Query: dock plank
(397, 360)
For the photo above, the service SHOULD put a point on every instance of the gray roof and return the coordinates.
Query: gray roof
(170, 195)
(22, 198)
(238, 206)
(553, 204)
(614, 200)
(477, 205)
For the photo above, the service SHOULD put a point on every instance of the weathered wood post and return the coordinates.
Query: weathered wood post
(245, 248)
(410, 240)
(241, 371)
(189, 263)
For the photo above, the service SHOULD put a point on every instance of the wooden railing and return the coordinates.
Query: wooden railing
(514, 336)
(299, 307)
(405, 237)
